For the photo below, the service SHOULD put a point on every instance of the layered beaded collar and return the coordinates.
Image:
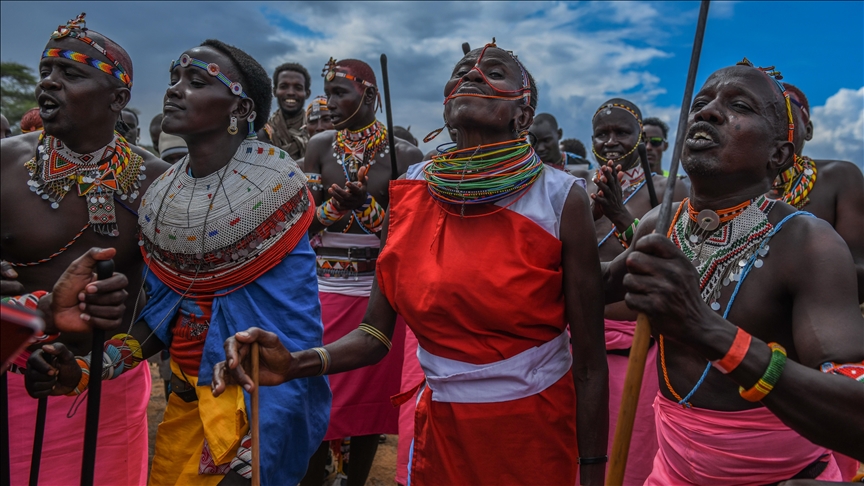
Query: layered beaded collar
(98, 176)
(354, 149)
(795, 183)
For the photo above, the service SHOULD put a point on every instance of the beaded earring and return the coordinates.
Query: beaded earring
(251, 120)
(232, 127)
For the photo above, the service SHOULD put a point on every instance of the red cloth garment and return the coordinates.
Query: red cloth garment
(121, 448)
(643, 444)
(747, 447)
(189, 333)
(361, 398)
(480, 290)
(412, 374)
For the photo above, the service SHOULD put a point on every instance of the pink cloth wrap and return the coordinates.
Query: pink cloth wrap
(121, 452)
(412, 375)
(643, 444)
(746, 447)
(361, 398)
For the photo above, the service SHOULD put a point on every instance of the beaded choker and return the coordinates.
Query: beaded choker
(632, 178)
(795, 183)
(98, 176)
(483, 174)
(354, 149)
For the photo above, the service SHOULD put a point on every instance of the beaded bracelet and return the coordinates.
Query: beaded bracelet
(593, 460)
(314, 181)
(627, 236)
(31, 301)
(121, 353)
(328, 214)
(736, 353)
(374, 332)
(325, 360)
(371, 214)
(765, 384)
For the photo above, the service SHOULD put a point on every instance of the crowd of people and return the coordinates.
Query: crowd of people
(478, 301)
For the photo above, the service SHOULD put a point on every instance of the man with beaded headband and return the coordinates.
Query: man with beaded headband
(832, 190)
(349, 171)
(66, 188)
(618, 131)
(715, 368)
(224, 236)
(488, 256)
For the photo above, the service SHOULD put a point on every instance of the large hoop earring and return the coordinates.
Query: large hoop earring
(232, 127)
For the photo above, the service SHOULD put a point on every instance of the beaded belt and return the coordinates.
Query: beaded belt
(353, 253)
(346, 269)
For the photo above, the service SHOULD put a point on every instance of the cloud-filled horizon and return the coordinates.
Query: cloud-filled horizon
(580, 53)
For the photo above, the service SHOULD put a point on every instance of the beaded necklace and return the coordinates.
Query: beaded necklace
(724, 247)
(97, 175)
(483, 174)
(795, 183)
(354, 149)
(633, 177)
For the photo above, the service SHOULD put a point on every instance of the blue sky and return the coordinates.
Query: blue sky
(581, 53)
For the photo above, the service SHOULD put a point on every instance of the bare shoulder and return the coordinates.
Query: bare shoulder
(18, 149)
(841, 173)
(321, 140)
(154, 166)
(408, 154)
(805, 235)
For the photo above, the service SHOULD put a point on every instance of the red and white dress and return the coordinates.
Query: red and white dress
(484, 295)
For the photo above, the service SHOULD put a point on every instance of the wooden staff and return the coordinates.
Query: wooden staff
(639, 348)
(649, 180)
(256, 429)
(104, 269)
(391, 139)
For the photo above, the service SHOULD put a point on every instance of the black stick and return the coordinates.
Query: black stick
(664, 219)
(5, 474)
(36, 458)
(466, 48)
(104, 270)
(649, 180)
(394, 169)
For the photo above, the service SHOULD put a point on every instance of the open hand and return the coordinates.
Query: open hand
(354, 194)
(608, 197)
(664, 285)
(275, 361)
(52, 370)
(80, 303)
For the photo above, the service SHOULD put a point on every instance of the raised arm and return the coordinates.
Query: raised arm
(614, 271)
(583, 294)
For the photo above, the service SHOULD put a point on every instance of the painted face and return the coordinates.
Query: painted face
(500, 73)
(615, 135)
(546, 140)
(197, 102)
(290, 91)
(72, 95)
(734, 126)
(344, 100)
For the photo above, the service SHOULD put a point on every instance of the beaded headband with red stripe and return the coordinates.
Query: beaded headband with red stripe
(775, 76)
(76, 29)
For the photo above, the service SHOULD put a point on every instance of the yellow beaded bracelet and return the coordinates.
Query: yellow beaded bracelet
(772, 375)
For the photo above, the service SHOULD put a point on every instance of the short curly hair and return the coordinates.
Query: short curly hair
(297, 68)
(253, 77)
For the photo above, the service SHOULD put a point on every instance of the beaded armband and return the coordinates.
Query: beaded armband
(374, 332)
(314, 182)
(627, 236)
(772, 375)
(849, 370)
(736, 353)
(31, 301)
(328, 214)
(371, 214)
(121, 353)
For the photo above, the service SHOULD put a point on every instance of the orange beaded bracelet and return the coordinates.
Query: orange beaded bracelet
(736, 353)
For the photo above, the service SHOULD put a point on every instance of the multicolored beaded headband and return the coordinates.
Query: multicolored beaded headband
(330, 72)
(76, 29)
(213, 70)
(775, 76)
(313, 111)
(522, 93)
(608, 107)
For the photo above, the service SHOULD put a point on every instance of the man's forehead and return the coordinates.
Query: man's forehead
(744, 78)
(340, 82)
(492, 54)
(289, 75)
(618, 117)
(71, 44)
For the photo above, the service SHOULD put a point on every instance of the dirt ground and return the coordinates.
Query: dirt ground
(383, 469)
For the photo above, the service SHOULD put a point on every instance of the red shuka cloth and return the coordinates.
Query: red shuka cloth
(480, 290)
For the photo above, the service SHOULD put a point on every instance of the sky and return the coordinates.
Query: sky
(580, 53)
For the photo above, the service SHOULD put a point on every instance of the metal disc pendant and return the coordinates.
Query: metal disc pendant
(763, 252)
(715, 306)
(758, 263)
(693, 238)
(708, 220)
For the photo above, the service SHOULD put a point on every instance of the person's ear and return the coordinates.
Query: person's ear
(308, 93)
(560, 133)
(782, 157)
(370, 96)
(524, 118)
(243, 108)
(120, 99)
(808, 131)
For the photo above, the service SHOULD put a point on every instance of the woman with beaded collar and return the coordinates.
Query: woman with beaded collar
(223, 233)
(488, 257)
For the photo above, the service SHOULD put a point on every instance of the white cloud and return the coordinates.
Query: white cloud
(839, 128)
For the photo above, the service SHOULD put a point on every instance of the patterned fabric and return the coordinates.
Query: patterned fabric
(208, 466)
(288, 135)
(242, 464)
(189, 333)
